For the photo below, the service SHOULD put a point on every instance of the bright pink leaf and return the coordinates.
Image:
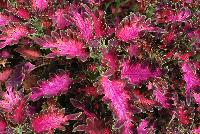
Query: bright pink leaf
(159, 97)
(4, 19)
(191, 79)
(11, 35)
(64, 46)
(132, 26)
(83, 23)
(197, 98)
(142, 128)
(135, 73)
(56, 85)
(114, 91)
(59, 20)
(51, 119)
(40, 5)
(10, 99)
(98, 22)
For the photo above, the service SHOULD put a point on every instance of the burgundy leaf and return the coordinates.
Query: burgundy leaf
(93, 126)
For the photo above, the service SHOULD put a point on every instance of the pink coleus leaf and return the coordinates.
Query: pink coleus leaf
(197, 98)
(10, 99)
(3, 126)
(4, 54)
(54, 86)
(142, 128)
(182, 15)
(191, 79)
(18, 114)
(93, 126)
(83, 23)
(50, 119)
(39, 5)
(19, 11)
(196, 130)
(182, 116)
(135, 73)
(4, 19)
(12, 34)
(5, 74)
(115, 92)
(98, 22)
(59, 19)
(132, 26)
(64, 46)
(28, 52)
(159, 97)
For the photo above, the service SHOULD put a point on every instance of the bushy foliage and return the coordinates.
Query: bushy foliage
(99, 66)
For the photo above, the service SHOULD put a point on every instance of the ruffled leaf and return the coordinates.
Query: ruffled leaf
(135, 73)
(11, 35)
(39, 5)
(64, 46)
(114, 91)
(132, 26)
(197, 98)
(159, 97)
(54, 86)
(51, 119)
(59, 19)
(83, 23)
(190, 78)
(142, 128)
(10, 99)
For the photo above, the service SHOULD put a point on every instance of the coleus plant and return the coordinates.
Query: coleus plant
(99, 66)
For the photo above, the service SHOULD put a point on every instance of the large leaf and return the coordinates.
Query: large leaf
(114, 91)
(135, 73)
(54, 86)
